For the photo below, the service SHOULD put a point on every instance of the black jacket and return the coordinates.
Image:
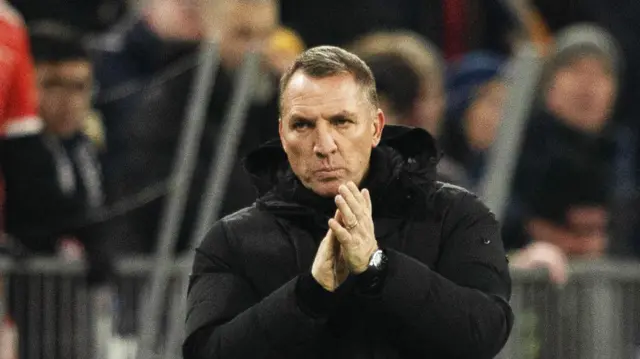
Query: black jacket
(445, 295)
(145, 158)
(52, 186)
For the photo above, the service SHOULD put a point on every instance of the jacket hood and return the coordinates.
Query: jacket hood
(416, 147)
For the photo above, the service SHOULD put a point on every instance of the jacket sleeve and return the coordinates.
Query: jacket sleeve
(460, 309)
(227, 319)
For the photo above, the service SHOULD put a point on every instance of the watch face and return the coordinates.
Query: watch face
(376, 259)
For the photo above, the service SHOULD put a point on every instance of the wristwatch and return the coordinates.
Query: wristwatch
(372, 278)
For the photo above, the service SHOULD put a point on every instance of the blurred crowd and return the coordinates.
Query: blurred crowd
(94, 96)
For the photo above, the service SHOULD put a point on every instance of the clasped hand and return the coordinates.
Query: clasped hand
(350, 241)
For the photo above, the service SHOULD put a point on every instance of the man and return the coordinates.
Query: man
(142, 154)
(572, 160)
(353, 250)
(409, 73)
(146, 56)
(54, 181)
(425, 60)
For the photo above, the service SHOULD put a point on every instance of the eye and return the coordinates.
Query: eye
(301, 124)
(340, 121)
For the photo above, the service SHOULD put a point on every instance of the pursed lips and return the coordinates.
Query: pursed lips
(328, 172)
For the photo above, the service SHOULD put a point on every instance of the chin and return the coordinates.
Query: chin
(326, 189)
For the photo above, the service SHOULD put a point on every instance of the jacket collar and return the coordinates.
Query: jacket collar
(404, 161)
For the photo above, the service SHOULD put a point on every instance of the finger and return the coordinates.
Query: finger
(326, 246)
(341, 234)
(356, 193)
(355, 206)
(367, 198)
(338, 216)
(348, 217)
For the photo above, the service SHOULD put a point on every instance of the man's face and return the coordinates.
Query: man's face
(328, 129)
(582, 94)
(65, 95)
(248, 24)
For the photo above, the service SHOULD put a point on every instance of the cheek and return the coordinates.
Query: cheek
(49, 106)
(605, 93)
(358, 153)
(82, 102)
(295, 151)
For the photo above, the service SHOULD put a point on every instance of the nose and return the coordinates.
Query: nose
(325, 144)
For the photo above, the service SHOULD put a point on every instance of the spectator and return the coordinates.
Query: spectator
(54, 182)
(564, 182)
(140, 56)
(131, 56)
(425, 60)
(409, 76)
(152, 132)
(398, 86)
(476, 94)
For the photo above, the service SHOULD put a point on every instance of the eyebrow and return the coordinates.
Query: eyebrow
(344, 114)
(341, 114)
(298, 117)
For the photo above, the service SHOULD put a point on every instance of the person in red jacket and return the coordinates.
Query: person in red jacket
(18, 99)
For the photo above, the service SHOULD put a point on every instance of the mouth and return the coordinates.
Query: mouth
(328, 173)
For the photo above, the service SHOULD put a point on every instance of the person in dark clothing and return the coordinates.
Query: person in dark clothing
(149, 49)
(476, 93)
(54, 181)
(564, 187)
(398, 86)
(572, 122)
(425, 60)
(409, 73)
(145, 158)
(619, 18)
(353, 250)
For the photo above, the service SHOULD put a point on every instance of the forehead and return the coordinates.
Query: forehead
(591, 62)
(315, 97)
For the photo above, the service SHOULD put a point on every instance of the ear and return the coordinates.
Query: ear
(377, 125)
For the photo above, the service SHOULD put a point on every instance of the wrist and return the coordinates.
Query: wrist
(365, 265)
(372, 279)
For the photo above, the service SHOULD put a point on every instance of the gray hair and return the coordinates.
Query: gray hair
(327, 61)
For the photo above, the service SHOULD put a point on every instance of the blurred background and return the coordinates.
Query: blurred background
(123, 125)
